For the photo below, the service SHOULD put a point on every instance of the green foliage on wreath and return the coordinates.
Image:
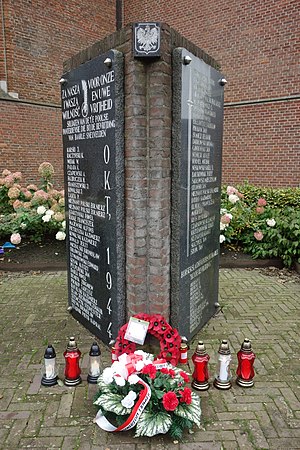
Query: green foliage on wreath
(152, 423)
(179, 424)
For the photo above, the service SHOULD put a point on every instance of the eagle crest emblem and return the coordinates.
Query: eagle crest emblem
(147, 39)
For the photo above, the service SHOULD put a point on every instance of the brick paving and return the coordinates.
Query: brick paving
(254, 305)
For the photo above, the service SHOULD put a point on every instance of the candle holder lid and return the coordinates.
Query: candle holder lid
(200, 350)
(246, 346)
(95, 350)
(224, 348)
(49, 352)
(72, 344)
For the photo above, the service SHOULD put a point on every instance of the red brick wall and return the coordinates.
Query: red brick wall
(257, 45)
(148, 183)
(30, 135)
(261, 144)
(39, 37)
(2, 50)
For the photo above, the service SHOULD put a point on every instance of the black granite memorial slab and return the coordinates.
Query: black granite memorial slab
(196, 183)
(92, 119)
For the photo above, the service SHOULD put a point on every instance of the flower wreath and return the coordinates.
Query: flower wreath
(168, 337)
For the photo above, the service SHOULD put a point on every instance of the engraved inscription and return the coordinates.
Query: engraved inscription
(89, 123)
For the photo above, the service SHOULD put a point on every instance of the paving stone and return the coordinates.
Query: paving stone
(284, 444)
(260, 307)
(65, 406)
(266, 424)
(35, 385)
(229, 445)
(201, 446)
(15, 434)
(41, 443)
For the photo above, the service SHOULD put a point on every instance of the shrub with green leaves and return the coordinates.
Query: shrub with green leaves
(30, 211)
(263, 222)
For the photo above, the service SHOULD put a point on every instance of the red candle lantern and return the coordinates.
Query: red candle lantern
(200, 376)
(245, 370)
(114, 356)
(183, 349)
(72, 369)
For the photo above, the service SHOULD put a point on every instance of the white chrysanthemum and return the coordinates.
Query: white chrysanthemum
(144, 355)
(139, 366)
(119, 380)
(60, 236)
(128, 401)
(41, 210)
(271, 222)
(133, 379)
(119, 368)
(107, 375)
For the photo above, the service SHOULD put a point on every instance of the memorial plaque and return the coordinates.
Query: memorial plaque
(146, 39)
(196, 183)
(92, 118)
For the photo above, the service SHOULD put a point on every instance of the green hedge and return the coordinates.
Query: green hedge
(264, 222)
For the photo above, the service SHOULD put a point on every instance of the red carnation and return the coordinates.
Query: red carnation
(170, 401)
(150, 370)
(184, 376)
(172, 373)
(186, 396)
(164, 370)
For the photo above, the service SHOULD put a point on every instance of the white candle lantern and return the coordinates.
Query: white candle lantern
(49, 377)
(223, 377)
(95, 365)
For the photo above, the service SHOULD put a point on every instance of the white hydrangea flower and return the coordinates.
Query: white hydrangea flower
(49, 212)
(223, 211)
(60, 236)
(222, 238)
(128, 401)
(41, 210)
(63, 224)
(233, 198)
(46, 218)
(271, 222)
(223, 226)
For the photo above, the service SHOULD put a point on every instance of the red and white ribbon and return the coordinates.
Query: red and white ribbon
(132, 420)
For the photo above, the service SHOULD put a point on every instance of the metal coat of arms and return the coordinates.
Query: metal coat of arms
(147, 39)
